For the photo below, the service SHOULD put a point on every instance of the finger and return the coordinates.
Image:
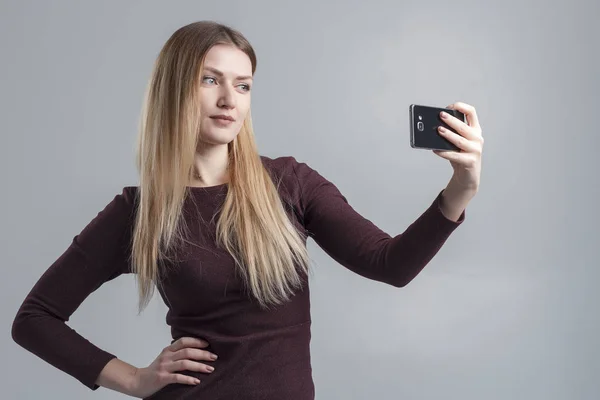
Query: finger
(193, 354)
(189, 365)
(458, 140)
(469, 111)
(187, 342)
(458, 126)
(186, 380)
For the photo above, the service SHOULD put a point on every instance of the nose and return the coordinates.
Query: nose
(227, 98)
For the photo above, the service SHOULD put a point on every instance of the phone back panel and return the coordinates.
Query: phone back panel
(424, 123)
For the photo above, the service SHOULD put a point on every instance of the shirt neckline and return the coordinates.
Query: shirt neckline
(207, 188)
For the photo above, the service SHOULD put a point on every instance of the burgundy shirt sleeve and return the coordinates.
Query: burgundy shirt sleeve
(358, 244)
(96, 255)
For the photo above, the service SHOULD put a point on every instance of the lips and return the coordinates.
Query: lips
(225, 117)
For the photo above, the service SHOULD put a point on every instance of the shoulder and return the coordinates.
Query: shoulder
(116, 214)
(114, 220)
(302, 181)
(288, 166)
(285, 170)
(282, 164)
(306, 176)
(106, 237)
(122, 204)
(128, 195)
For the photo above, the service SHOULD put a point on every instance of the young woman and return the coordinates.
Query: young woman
(221, 231)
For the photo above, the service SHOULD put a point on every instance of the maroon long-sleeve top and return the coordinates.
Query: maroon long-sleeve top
(263, 355)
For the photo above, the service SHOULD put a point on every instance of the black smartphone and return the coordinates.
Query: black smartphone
(424, 123)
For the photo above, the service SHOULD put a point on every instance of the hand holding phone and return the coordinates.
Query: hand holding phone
(424, 123)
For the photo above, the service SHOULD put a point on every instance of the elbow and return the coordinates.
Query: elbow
(18, 329)
(400, 283)
(395, 280)
(406, 273)
(22, 327)
(404, 279)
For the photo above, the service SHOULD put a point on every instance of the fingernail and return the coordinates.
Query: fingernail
(444, 115)
(211, 369)
(213, 356)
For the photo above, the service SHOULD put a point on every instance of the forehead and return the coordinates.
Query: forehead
(228, 59)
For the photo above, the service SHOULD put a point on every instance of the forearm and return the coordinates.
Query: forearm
(118, 375)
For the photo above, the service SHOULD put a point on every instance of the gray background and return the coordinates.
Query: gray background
(508, 307)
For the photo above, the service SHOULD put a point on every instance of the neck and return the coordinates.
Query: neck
(211, 166)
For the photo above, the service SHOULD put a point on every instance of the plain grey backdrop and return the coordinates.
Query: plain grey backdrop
(508, 309)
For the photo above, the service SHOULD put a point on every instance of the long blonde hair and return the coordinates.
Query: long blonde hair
(253, 226)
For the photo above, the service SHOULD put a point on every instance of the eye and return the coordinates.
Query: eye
(245, 86)
(208, 77)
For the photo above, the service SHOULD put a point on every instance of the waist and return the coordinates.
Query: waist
(269, 365)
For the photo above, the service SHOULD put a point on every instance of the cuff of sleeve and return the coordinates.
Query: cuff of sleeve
(437, 207)
(96, 366)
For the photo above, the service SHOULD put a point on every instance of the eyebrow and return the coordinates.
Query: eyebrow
(219, 73)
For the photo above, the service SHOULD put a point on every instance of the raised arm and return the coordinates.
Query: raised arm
(98, 254)
(359, 245)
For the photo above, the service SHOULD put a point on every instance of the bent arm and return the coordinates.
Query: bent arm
(95, 256)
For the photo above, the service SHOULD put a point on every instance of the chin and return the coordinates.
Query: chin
(218, 138)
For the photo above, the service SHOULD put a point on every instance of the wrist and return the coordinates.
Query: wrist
(455, 190)
(120, 376)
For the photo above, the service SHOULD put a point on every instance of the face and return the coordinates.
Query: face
(225, 85)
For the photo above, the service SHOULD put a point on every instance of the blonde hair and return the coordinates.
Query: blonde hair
(253, 225)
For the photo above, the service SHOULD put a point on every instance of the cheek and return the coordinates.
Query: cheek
(206, 100)
(244, 108)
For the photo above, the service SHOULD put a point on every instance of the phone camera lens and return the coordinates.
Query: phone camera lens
(420, 126)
